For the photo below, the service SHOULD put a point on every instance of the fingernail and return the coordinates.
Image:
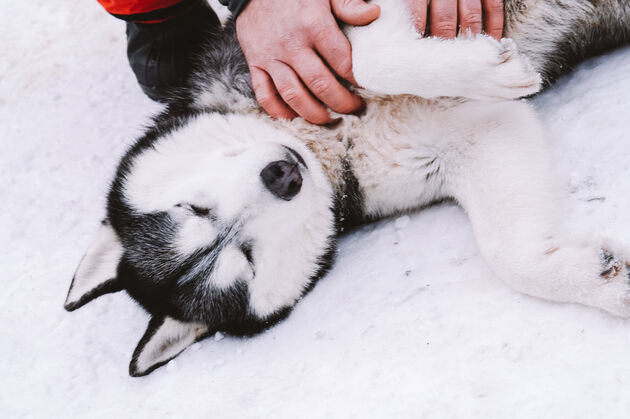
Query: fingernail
(285, 117)
(333, 122)
(361, 110)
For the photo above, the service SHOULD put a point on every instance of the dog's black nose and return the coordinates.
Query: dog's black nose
(282, 178)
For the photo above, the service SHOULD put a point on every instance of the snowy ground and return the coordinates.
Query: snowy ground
(409, 323)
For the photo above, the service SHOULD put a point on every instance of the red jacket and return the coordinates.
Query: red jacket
(154, 11)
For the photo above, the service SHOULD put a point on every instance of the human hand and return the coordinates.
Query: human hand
(292, 48)
(472, 15)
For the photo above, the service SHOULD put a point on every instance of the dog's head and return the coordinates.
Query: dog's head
(215, 223)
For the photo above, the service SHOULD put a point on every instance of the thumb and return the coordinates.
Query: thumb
(355, 12)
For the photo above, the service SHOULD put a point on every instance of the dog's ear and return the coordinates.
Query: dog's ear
(97, 271)
(164, 339)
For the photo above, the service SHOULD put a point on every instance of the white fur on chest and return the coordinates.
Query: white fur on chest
(403, 149)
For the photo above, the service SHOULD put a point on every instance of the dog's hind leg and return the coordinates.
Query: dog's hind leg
(390, 57)
(501, 176)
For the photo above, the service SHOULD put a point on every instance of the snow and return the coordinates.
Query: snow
(410, 322)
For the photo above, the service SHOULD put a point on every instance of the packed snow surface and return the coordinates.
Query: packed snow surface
(409, 323)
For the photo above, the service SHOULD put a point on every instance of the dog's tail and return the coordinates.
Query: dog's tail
(558, 34)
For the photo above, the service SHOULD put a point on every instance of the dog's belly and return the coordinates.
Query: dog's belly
(394, 150)
(397, 152)
(396, 175)
(405, 152)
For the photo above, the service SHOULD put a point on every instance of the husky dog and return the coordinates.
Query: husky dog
(220, 218)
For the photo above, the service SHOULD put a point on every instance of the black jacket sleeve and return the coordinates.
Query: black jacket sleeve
(235, 6)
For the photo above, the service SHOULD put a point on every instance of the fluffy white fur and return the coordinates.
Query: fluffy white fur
(488, 155)
(438, 67)
(411, 147)
(215, 162)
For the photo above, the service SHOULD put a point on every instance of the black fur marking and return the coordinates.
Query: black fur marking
(606, 257)
(154, 324)
(606, 27)
(610, 265)
(247, 250)
(109, 286)
(297, 156)
(199, 211)
(570, 52)
(349, 201)
(432, 174)
(325, 263)
(222, 63)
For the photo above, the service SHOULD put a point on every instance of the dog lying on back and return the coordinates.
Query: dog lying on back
(220, 218)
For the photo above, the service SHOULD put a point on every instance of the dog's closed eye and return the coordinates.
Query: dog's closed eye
(197, 210)
(200, 211)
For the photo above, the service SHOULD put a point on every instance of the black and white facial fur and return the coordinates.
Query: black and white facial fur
(220, 218)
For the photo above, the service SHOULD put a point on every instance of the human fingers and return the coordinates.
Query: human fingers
(355, 12)
(335, 49)
(470, 20)
(418, 10)
(443, 15)
(321, 82)
(295, 94)
(493, 19)
(267, 95)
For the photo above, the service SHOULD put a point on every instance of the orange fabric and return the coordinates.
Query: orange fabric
(132, 7)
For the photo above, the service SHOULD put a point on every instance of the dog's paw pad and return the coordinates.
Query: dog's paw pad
(613, 290)
(611, 266)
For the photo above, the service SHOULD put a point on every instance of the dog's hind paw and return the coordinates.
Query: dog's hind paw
(611, 266)
(615, 273)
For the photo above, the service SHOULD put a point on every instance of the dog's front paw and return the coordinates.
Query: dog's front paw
(517, 76)
(508, 75)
